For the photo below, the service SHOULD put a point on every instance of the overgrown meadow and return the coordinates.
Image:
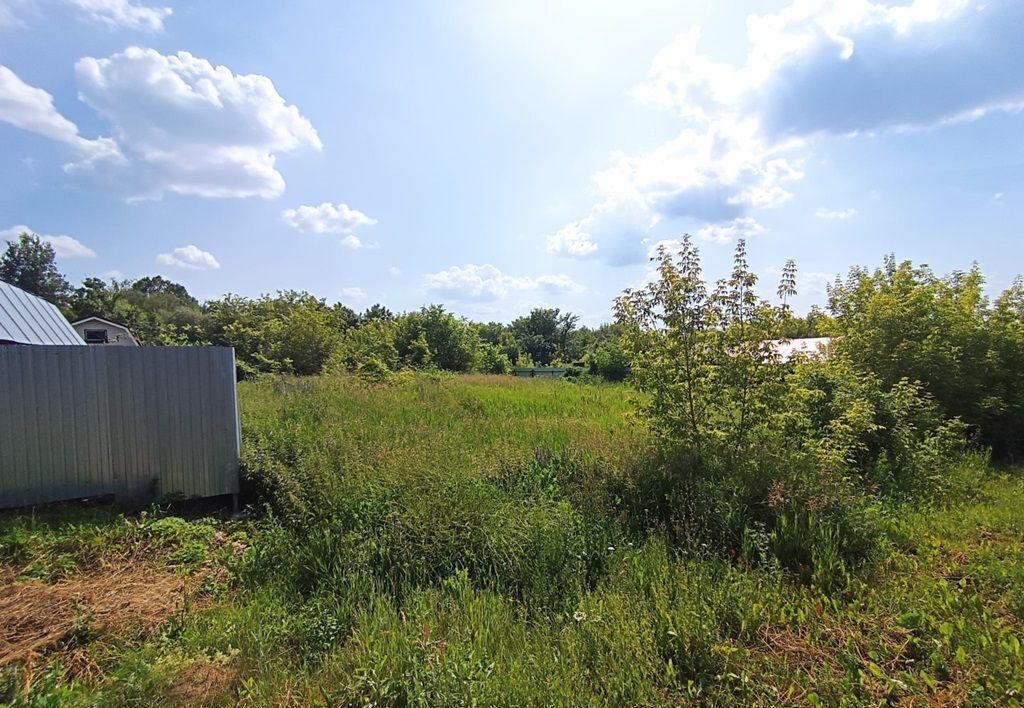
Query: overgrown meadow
(727, 527)
(443, 540)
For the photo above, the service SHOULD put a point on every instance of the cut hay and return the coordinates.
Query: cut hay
(35, 617)
(200, 684)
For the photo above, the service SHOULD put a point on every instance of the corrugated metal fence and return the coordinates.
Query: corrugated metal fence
(137, 422)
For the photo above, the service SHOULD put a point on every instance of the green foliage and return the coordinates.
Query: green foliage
(816, 323)
(491, 359)
(292, 332)
(744, 530)
(376, 312)
(306, 336)
(544, 335)
(904, 322)
(801, 451)
(367, 351)
(1003, 399)
(433, 336)
(448, 540)
(703, 357)
(30, 264)
(610, 361)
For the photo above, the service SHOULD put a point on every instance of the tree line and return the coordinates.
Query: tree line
(296, 332)
(898, 322)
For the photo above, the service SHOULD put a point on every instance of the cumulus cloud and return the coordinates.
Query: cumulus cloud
(486, 282)
(121, 14)
(744, 227)
(835, 214)
(30, 108)
(328, 218)
(816, 68)
(191, 257)
(63, 246)
(840, 67)
(187, 126)
(612, 231)
(353, 293)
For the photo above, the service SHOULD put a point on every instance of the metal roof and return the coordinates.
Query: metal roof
(27, 319)
(813, 347)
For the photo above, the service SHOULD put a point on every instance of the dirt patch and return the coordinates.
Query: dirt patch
(136, 598)
(201, 684)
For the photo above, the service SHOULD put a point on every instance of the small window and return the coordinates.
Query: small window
(96, 336)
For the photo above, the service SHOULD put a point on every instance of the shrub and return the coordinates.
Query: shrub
(610, 362)
(751, 445)
(367, 351)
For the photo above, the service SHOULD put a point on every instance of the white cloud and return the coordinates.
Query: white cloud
(30, 108)
(816, 68)
(835, 214)
(573, 239)
(605, 230)
(124, 13)
(121, 14)
(63, 246)
(713, 174)
(744, 227)
(840, 67)
(394, 271)
(486, 282)
(191, 257)
(353, 293)
(328, 218)
(190, 127)
(814, 284)
(997, 198)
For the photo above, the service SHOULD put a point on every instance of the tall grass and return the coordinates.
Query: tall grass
(483, 540)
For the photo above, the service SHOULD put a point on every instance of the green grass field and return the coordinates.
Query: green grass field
(485, 541)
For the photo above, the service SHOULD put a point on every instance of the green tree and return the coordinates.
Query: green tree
(544, 335)
(367, 351)
(902, 321)
(305, 337)
(1003, 405)
(434, 336)
(94, 297)
(158, 285)
(31, 264)
(492, 359)
(376, 312)
(610, 361)
(500, 336)
(816, 323)
(702, 357)
(290, 332)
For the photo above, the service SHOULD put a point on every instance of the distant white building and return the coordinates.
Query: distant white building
(96, 330)
(814, 347)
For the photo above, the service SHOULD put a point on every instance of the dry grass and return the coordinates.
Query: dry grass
(135, 598)
(201, 684)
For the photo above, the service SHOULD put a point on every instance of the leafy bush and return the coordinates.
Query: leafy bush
(801, 450)
(367, 351)
(610, 362)
(904, 322)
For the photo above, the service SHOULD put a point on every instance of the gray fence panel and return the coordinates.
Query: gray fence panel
(137, 422)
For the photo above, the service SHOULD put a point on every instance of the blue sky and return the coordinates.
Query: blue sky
(499, 156)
